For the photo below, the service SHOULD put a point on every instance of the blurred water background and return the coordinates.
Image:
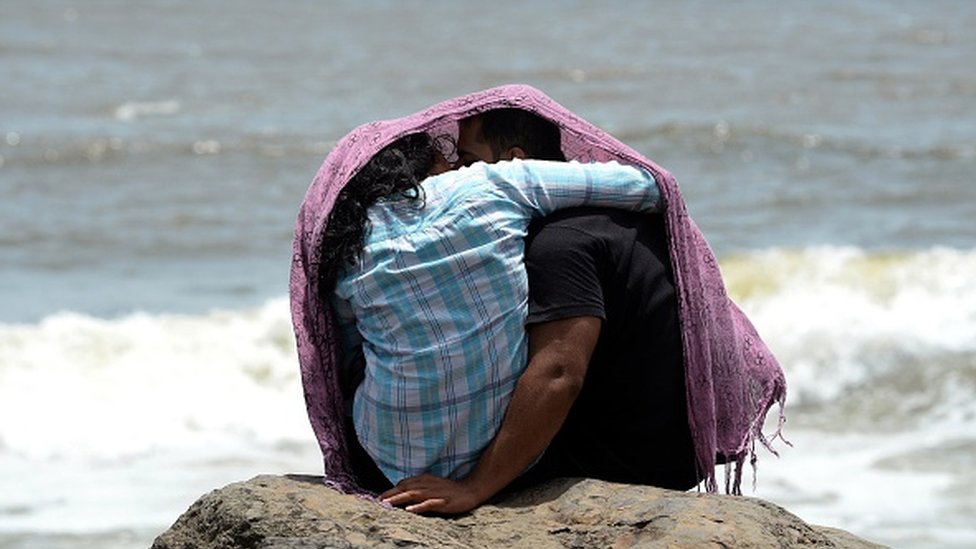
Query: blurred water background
(153, 155)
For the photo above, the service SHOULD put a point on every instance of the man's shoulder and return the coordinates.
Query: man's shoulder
(606, 234)
(596, 221)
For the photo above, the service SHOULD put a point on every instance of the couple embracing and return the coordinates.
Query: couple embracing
(474, 313)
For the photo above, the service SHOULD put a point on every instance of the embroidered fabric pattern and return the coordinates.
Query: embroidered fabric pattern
(732, 378)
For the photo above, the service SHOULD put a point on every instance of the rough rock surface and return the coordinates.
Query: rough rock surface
(300, 512)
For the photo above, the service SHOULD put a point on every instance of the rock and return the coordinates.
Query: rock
(299, 512)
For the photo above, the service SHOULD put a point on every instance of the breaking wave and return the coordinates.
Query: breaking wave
(867, 340)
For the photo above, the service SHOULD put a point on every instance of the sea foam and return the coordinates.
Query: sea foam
(892, 334)
(78, 385)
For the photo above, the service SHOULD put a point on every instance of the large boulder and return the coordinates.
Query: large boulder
(300, 512)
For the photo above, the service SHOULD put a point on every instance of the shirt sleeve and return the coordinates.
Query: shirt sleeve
(564, 276)
(546, 186)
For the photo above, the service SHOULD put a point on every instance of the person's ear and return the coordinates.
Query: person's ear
(513, 152)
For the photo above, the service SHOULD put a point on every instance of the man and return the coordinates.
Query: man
(603, 395)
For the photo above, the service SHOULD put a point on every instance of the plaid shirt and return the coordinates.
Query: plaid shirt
(438, 303)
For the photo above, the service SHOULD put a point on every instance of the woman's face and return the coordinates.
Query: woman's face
(441, 164)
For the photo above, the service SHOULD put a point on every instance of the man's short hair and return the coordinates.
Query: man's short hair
(539, 138)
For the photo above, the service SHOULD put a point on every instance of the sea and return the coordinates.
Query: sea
(153, 156)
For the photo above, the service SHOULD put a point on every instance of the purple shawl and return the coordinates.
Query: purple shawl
(732, 378)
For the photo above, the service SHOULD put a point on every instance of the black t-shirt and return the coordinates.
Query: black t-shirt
(608, 263)
(614, 265)
(611, 264)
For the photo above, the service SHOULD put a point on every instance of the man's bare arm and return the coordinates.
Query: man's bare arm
(559, 352)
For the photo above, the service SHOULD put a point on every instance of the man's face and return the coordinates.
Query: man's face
(471, 147)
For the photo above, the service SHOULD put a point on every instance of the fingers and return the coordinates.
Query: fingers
(429, 494)
(428, 506)
(420, 500)
(406, 485)
(416, 501)
(403, 498)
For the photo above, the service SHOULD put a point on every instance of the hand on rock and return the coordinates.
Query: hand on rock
(430, 494)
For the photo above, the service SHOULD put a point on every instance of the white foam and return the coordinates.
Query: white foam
(855, 330)
(76, 385)
(120, 424)
(836, 317)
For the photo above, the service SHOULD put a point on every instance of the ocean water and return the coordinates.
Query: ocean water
(153, 156)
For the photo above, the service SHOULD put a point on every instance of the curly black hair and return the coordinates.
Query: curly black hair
(396, 171)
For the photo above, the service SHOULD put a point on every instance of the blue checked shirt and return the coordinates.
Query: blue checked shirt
(439, 301)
